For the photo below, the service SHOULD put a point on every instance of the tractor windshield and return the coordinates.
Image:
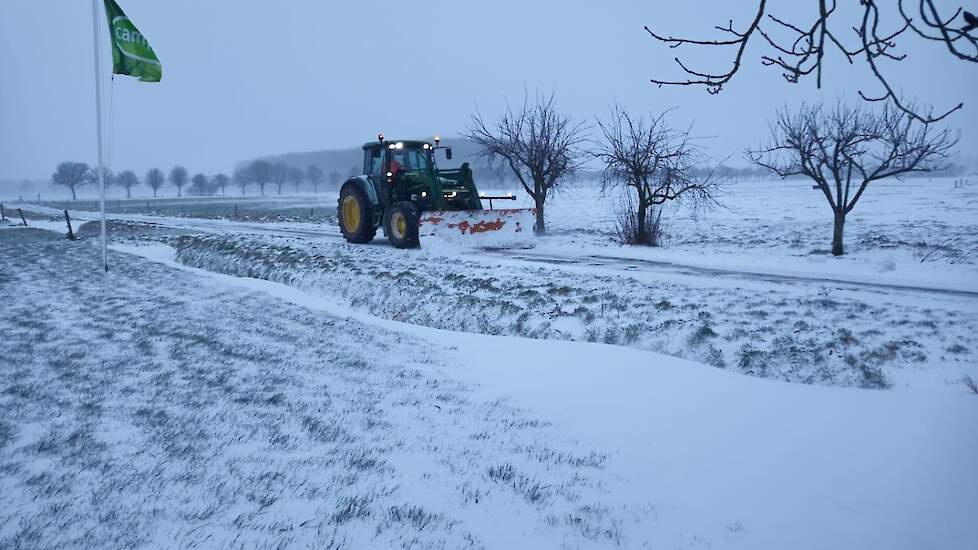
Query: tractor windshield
(413, 159)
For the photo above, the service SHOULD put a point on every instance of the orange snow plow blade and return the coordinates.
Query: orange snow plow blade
(505, 228)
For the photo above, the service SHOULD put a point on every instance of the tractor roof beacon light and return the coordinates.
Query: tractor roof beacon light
(380, 137)
(437, 140)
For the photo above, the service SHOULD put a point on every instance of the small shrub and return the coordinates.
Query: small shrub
(845, 337)
(626, 223)
(412, 515)
(502, 473)
(956, 349)
(715, 358)
(701, 335)
(970, 383)
(354, 507)
(632, 332)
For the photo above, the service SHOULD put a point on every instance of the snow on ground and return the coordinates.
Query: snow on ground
(201, 409)
(160, 408)
(918, 231)
(794, 332)
(808, 327)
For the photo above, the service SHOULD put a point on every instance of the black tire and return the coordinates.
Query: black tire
(357, 221)
(402, 225)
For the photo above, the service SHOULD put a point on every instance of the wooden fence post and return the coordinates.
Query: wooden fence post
(71, 234)
(3, 215)
(22, 218)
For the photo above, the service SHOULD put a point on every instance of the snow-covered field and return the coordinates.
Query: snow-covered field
(235, 383)
(162, 406)
(917, 231)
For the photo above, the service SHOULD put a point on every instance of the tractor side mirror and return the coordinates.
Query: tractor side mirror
(448, 153)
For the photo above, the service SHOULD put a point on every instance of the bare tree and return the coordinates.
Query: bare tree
(279, 174)
(334, 179)
(655, 162)
(127, 179)
(296, 176)
(155, 180)
(199, 185)
(72, 175)
(862, 32)
(178, 178)
(540, 146)
(261, 174)
(242, 177)
(315, 176)
(221, 181)
(846, 148)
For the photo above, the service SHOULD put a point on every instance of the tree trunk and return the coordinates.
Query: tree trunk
(642, 237)
(540, 228)
(154, 193)
(128, 193)
(840, 221)
(73, 196)
(179, 191)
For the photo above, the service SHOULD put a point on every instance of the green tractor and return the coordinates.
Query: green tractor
(403, 192)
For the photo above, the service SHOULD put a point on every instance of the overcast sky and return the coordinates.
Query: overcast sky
(245, 77)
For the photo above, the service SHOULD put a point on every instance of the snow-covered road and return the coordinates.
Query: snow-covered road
(599, 259)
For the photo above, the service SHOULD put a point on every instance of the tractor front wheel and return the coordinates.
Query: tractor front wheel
(356, 216)
(402, 225)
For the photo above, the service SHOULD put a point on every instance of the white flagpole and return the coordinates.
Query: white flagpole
(98, 124)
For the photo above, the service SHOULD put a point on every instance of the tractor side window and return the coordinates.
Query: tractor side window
(376, 163)
(368, 155)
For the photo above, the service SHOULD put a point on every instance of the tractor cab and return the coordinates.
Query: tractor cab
(407, 171)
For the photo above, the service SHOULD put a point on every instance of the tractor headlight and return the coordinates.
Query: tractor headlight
(390, 174)
(426, 146)
(400, 145)
(391, 146)
(424, 194)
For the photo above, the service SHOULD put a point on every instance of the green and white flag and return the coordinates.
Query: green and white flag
(131, 52)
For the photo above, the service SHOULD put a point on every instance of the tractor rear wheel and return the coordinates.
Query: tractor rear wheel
(356, 215)
(402, 225)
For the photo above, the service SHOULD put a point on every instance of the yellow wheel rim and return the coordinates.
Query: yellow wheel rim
(399, 225)
(351, 214)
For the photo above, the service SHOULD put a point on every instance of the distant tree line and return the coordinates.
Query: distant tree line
(259, 174)
(262, 174)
